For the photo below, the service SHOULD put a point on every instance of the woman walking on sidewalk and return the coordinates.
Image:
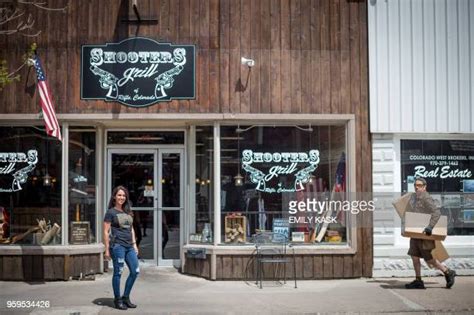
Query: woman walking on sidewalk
(121, 245)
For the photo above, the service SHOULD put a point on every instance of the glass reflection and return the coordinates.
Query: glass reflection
(82, 194)
(135, 171)
(170, 233)
(143, 227)
(171, 180)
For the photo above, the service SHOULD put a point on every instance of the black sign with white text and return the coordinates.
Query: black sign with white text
(445, 164)
(137, 72)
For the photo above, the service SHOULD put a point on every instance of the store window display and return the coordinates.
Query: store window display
(82, 186)
(448, 168)
(30, 187)
(265, 170)
(202, 232)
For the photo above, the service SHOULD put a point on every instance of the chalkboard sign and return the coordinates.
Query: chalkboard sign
(137, 72)
(80, 233)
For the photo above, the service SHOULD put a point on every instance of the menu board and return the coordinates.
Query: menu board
(80, 233)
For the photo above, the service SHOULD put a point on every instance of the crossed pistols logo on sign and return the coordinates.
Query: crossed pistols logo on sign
(20, 176)
(292, 159)
(138, 72)
(164, 81)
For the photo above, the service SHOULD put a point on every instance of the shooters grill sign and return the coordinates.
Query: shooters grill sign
(15, 168)
(137, 72)
(276, 164)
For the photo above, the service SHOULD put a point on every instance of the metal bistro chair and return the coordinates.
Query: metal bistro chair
(273, 248)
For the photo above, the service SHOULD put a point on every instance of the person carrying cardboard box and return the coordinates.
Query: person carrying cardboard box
(422, 202)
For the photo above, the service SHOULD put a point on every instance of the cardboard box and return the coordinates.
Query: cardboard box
(415, 223)
(439, 252)
(402, 204)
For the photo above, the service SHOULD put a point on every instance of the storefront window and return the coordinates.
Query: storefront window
(82, 186)
(448, 167)
(275, 179)
(30, 187)
(204, 221)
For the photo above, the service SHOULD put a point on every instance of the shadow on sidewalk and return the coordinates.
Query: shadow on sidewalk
(104, 302)
(395, 284)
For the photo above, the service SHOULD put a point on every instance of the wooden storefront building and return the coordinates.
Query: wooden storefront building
(158, 98)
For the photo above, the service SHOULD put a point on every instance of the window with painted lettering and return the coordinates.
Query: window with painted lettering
(448, 168)
(285, 179)
(30, 187)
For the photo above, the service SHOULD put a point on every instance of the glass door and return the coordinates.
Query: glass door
(170, 206)
(155, 180)
(136, 171)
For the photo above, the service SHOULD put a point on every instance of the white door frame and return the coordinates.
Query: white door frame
(161, 208)
(157, 152)
(111, 151)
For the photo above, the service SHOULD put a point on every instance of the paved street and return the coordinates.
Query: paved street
(164, 291)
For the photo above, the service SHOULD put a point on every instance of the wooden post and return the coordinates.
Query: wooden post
(67, 267)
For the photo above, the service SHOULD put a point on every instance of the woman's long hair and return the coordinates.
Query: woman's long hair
(126, 204)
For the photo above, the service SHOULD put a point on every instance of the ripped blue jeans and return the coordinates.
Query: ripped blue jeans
(121, 255)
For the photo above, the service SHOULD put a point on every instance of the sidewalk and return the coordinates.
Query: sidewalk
(164, 291)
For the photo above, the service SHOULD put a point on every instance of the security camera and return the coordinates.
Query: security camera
(249, 62)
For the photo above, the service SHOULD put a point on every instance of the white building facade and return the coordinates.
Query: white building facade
(421, 81)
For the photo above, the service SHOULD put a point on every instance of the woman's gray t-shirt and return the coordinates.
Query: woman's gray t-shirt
(121, 227)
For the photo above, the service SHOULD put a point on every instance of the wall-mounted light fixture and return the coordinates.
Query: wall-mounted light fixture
(248, 62)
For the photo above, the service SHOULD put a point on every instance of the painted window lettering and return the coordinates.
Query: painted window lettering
(248, 156)
(19, 175)
(443, 172)
(262, 179)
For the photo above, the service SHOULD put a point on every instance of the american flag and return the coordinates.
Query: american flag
(46, 100)
(340, 180)
(340, 185)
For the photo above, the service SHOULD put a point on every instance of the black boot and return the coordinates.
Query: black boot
(449, 276)
(119, 304)
(126, 301)
(415, 284)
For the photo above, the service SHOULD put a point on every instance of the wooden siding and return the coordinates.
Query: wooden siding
(308, 54)
(308, 267)
(48, 267)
